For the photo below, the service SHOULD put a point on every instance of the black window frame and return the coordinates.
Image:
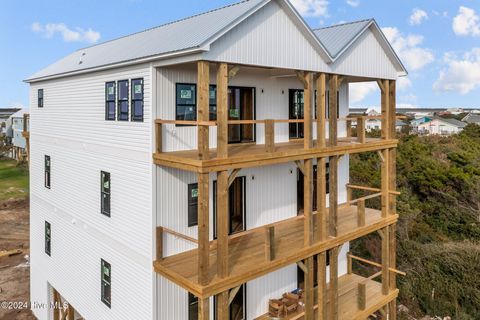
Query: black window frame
(109, 100)
(134, 100)
(48, 238)
(192, 203)
(212, 103)
(48, 172)
(106, 283)
(121, 115)
(40, 98)
(192, 306)
(105, 208)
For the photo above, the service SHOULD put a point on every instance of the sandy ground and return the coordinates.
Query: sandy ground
(14, 270)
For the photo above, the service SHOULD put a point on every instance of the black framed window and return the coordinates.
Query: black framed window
(40, 98)
(192, 204)
(110, 100)
(48, 165)
(48, 238)
(106, 274)
(186, 102)
(122, 100)
(192, 307)
(105, 190)
(137, 99)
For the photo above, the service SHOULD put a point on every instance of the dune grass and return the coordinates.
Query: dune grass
(13, 180)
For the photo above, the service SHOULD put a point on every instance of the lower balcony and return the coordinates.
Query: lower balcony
(257, 252)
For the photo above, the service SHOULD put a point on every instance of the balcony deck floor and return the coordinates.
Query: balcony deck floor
(247, 255)
(251, 154)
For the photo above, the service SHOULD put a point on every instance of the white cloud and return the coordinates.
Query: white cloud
(466, 22)
(403, 83)
(407, 47)
(79, 35)
(311, 8)
(359, 91)
(353, 3)
(461, 75)
(418, 16)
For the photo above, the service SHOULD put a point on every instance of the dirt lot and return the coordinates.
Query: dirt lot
(14, 270)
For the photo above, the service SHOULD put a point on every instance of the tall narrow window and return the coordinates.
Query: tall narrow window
(40, 98)
(106, 283)
(122, 100)
(186, 101)
(48, 238)
(110, 101)
(105, 192)
(137, 99)
(48, 165)
(192, 307)
(213, 103)
(192, 204)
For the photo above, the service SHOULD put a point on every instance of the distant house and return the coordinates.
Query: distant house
(416, 122)
(472, 118)
(5, 113)
(15, 134)
(399, 125)
(441, 126)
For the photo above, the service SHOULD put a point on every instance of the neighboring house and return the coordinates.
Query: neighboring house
(441, 126)
(18, 140)
(399, 125)
(472, 118)
(5, 113)
(416, 122)
(220, 219)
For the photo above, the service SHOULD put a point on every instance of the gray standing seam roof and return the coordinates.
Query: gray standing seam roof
(337, 38)
(453, 122)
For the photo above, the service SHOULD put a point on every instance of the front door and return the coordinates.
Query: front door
(241, 106)
(295, 112)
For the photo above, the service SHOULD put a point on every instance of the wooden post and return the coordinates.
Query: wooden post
(385, 261)
(222, 111)
(222, 306)
(349, 263)
(361, 135)
(56, 304)
(361, 213)
(385, 182)
(321, 110)
(307, 202)
(203, 229)
(322, 230)
(158, 136)
(362, 296)
(333, 196)
(332, 110)
(393, 264)
(333, 290)
(349, 128)
(307, 111)
(203, 106)
(322, 286)
(385, 91)
(309, 285)
(269, 243)
(203, 309)
(269, 135)
(159, 238)
(349, 195)
(70, 312)
(222, 224)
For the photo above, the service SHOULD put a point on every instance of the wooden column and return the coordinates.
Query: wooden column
(222, 306)
(361, 134)
(222, 224)
(362, 296)
(385, 182)
(322, 230)
(333, 196)
(70, 312)
(269, 243)
(321, 110)
(333, 289)
(393, 264)
(307, 202)
(385, 235)
(322, 286)
(222, 111)
(56, 304)
(332, 110)
(203, 309)
(269, 135)
(307, 110)
(385, 101)
(159, 245)
(309, 293)
(203, 229)
(203, 104)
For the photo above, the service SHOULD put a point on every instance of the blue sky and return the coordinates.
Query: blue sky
(439, 41)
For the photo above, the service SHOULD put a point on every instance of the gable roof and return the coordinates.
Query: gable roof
(472, 118)
(453, 122)
(195, 34)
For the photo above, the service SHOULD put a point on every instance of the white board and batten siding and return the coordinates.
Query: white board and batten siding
(71, 129)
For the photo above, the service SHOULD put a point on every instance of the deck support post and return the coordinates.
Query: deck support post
(269, 243)
(70, 312)
(222, 112)
(392, 307)
(361, 213)
(385, 102)
(309, 293)
(307, 107)
(223, 305)
(385, 182)
(333, 196)
(322, 230)
(222, 224)
(322, 286)
(203, 112)
(307, 202)
(159, 244)
(203, 309)
(56, 305)
(203, 229)
(362, 296)
(269, 135)
(385, 235)
(321, 110)
(333, 290)
(332, 110)
(361, 135)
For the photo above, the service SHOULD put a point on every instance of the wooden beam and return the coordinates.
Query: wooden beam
(222, 110)
(300, 166)
(392, 307)
(385, 184)
(203, 309)
(269, 243)
(376, 264)
(385, 101)
(322, 286)
(203, 229)
(308, 202)
(302, 266)
(362, 296)
(203, 108)
(361, 213)
(223, 306)
(269, 135)
(158, 137)
(333, 196)
(322, 228)
(380, 85)
(309, 286)
(233, 72)
(385, 262)
(307, 111)
(159, 241)
(301, 77)
(222, 224)
(380, 155)
(233, 176)
(392, 100)
(321, 110)
(70, 312)
(333, 289)
(332, 110)
(232, 294)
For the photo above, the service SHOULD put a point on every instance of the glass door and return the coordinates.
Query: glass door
(295, 112)
(241, 106)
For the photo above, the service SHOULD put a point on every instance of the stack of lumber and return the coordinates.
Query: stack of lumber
(284, 306)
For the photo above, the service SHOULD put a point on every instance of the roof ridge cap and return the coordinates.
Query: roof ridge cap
(343, 24)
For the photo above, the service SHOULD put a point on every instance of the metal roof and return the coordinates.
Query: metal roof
(453, 122)
(337, 38)
(188, 33)
(471, 118)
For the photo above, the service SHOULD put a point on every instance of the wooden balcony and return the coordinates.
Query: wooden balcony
(253, 254)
